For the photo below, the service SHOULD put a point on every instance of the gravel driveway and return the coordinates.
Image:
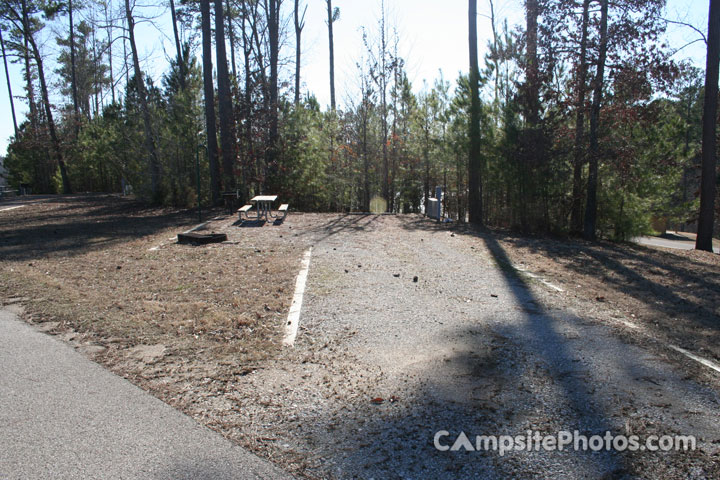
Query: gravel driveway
(384, 360)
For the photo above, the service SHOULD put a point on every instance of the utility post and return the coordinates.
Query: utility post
(197, 171)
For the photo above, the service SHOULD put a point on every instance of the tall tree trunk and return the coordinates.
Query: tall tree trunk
(7, 78)
(591, 203)
(231, 37)
(578, 160)
(32, 106)
(496, 58)
(331, 43)
(153, 163)
(299, 25)
(225, 109)
(274, 41)
(96, 79)
(366, 161)
(426, 159)
(73, 76)
(708, 179)
(382, 79)
(209, 90)
(48, 111)
(125, 56)
(474, 162)
(532, 72)
(109, 22)
(178, 47)
(250, 158)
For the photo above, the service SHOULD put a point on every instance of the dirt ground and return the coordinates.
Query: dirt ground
(106, 272)
(200, 327)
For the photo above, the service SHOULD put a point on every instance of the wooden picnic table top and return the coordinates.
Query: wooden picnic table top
(264, 198)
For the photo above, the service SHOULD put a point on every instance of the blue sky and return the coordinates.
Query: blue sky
(433, 37)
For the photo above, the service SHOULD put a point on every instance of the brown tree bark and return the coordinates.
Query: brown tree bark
(209, 93)
(474, 161)
(578, 160)
(48, 110)
(274, 42)
(589, 232)
(225, 108)
(331, 43)
(73, 76)
(708, 179)
(532, 71)
(231, 37)
(109, 23)
(299, 25)
(253, 168)
(178, 47)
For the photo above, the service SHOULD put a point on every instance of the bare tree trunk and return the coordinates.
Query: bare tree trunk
(708, 179)
(109, 26)
(225, 108)
(577, 198)
(96, 83)
(247, 105)
(231, 37)
(209, 91)
(426, 158)
(48, 111)
(178, 47)
(591, 204)
(153, 163)
(7, 78)
(474, 162)
(331, 42)
(125, 56)
(299, 25)
(274, 41)
(382, 84)
(532, 72)
(32, 106)
(73, 77)
(496, 60)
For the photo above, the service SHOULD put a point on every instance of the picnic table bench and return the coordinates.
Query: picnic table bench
(263, 209)
(7, 192)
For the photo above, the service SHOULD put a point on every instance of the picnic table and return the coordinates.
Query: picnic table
(263, 208)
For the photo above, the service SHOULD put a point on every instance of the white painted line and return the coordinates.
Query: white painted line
(539, 278)
(627, 324)
(704, 361)
(293, 320)
(10, 208)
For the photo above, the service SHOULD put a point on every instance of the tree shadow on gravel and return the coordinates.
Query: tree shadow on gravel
(688, 300)
(73, 225)
(679, 292)
(342, 224)
(481, 388)
(587, 412)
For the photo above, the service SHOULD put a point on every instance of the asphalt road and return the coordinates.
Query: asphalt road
(63, 416)
(677, 240)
